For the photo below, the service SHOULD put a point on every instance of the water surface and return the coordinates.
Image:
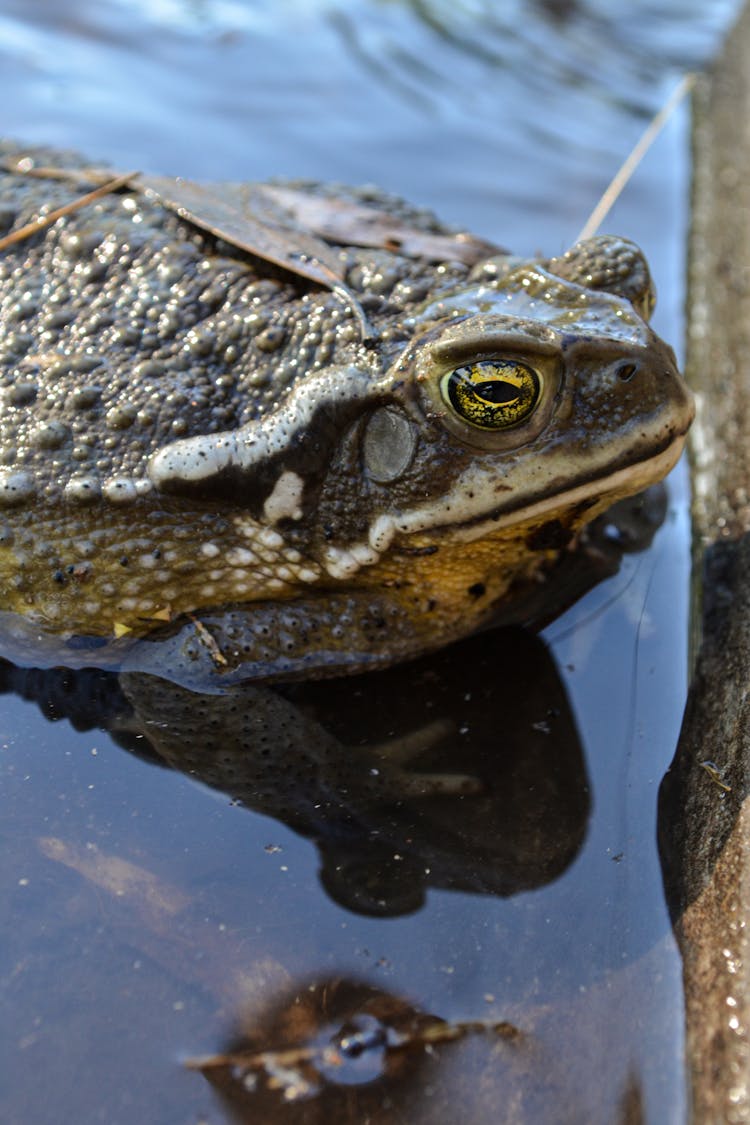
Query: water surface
(153, 918)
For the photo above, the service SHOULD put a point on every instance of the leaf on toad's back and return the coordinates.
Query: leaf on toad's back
(355, 224)
(243, 215)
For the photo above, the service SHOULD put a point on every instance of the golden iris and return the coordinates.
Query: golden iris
(492, 394)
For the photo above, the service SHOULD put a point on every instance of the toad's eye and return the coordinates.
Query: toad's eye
(492, 394)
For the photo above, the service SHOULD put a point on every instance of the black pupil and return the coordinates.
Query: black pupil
(496, 391)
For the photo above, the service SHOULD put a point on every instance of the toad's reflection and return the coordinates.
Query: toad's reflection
(460, 771)
(488, 795)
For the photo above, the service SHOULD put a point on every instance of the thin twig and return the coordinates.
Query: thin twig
(635, 157)
(210, 642)
(24, 166)
(43, 221)
(440, 1031)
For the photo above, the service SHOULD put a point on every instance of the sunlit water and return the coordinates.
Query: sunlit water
(508, 119)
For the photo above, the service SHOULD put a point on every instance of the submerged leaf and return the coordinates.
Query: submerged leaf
(118, 877)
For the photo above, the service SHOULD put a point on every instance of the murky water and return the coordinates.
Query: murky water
(153, 918)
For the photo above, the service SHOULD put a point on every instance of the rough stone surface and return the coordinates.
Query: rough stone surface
(704, 832)
(704, 839)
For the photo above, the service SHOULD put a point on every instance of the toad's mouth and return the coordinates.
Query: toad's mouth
(591, 496)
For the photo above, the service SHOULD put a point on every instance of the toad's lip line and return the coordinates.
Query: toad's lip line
(626, 481)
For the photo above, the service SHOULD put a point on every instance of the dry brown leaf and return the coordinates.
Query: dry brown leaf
(242, 215)
(355, 224)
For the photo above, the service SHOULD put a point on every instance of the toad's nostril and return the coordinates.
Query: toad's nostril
(626, 371)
